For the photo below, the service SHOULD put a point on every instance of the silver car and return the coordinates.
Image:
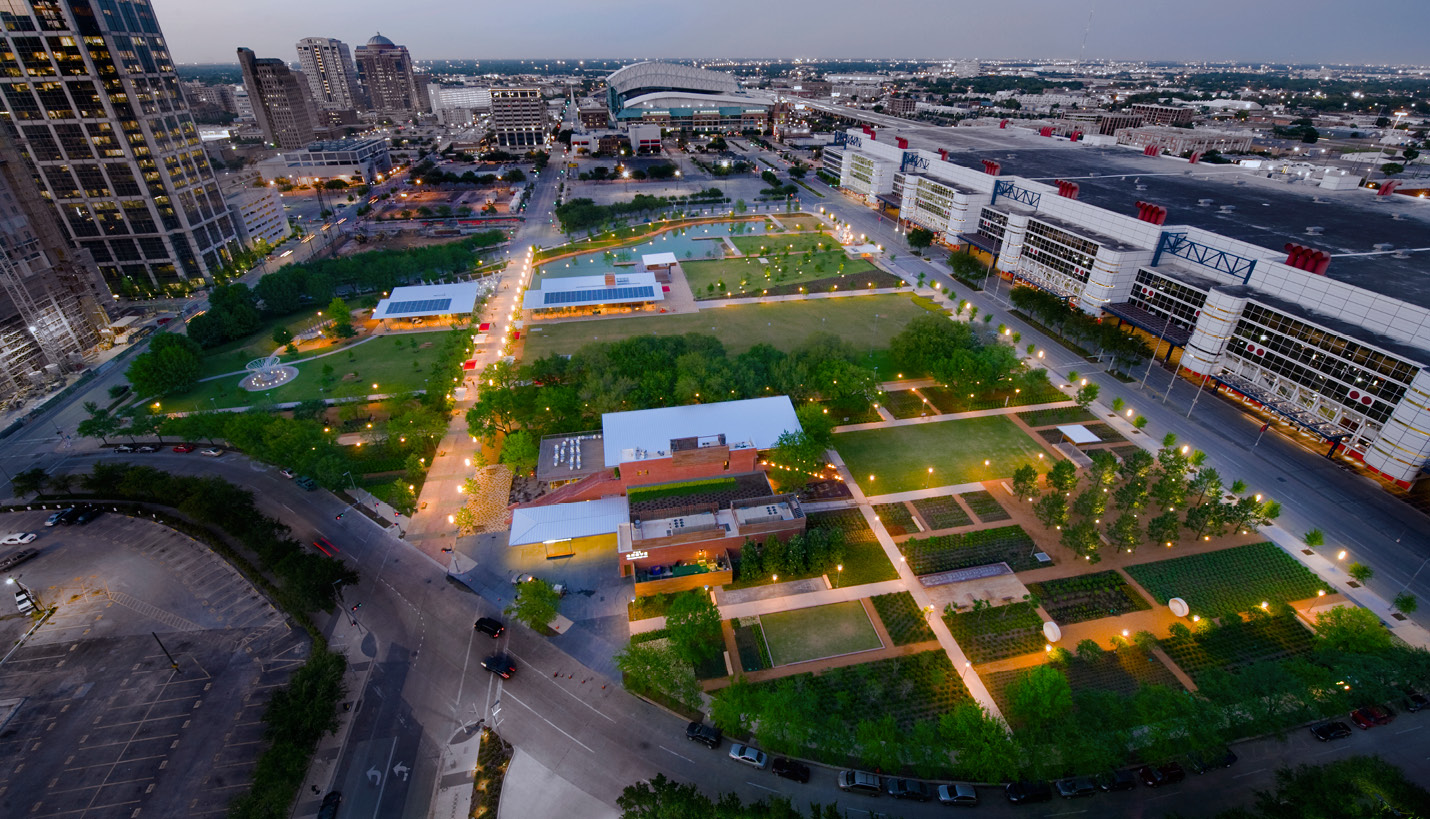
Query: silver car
(753, 757)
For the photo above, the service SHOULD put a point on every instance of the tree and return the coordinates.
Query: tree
(100, 424)
(1063, 476)
(520, 451)
(1165, 528)
(1392, 168)
(282, 335)
(1361, 572)
(1039, 699)
(1025, 481)
(662, 798)
(920, 238)
(799, 451)
(1087, 394)
(1405, 603)
(987, 751)
(1082, 539)
(171, 365)
(1124, 532)
(29, 482)
(1352, 629)
(342, 317)
(1315, 538)
(881, 743)
(1091, 502)
(693, 624)
(1051, 510)
(535, 604)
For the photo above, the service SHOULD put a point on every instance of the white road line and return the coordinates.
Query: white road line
(1408, 730)
(567, 693)
(1249, 773)
(1066, 813)
(761, 787)
(513, 698)
(673, 753)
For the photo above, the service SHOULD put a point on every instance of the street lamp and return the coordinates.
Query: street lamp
(839, 575)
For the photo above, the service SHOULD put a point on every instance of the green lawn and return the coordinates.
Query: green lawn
(1231, 580)
(800, 221)
(899, 457)
(793, 243)
(235, 355)
(820, 631)
(388, 361)
(746, 277)
(782, 324)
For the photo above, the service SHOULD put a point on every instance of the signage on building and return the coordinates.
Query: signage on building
(637, 555)
(912, 158)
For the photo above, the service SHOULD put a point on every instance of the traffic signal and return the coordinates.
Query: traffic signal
(340, 515)
(356, 606)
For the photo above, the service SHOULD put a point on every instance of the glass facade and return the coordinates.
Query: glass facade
(993, 224)
(1164, 297)
(1059, 251)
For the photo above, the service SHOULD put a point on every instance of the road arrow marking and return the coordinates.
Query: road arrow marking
(374, 774)
(401, 770)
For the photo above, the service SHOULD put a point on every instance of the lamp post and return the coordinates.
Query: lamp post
(839, 574)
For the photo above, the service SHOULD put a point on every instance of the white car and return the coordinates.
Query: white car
(287, 473)
(753, 757)
(16, 538)
(213, 452)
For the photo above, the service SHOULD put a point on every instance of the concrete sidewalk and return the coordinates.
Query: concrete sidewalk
(951, 416)
(788, 602)
(531, 789)
(931, 492)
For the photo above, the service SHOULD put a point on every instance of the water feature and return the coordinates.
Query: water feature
(692, 243)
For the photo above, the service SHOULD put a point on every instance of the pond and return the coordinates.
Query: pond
(698, 242)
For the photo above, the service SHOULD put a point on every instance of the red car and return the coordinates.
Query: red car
(1379, 714)
(183, 448)
(1362, 719)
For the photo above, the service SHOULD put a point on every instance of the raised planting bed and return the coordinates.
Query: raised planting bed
(1106, 433)
(1056, 416)
(986, 507)
(849, 521)
(680, 489)
(1122, 672)
(1088, 597)
(995, 633)
(1237, 643)
(750, 642)
(906, 404)
(941, 553)
(688, 493)
(1124, 452)
(902, 618)
(897, 518)
(942, 512)
(948, 399)
(1230, 580)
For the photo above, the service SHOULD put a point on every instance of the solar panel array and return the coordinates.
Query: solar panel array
(423, 306)
(599, 295)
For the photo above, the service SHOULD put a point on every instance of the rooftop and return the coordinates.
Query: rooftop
(566, 521)
(584, 291)
(640, 434)
(429, 300)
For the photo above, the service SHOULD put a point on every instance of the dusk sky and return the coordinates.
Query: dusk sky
(1301, 31)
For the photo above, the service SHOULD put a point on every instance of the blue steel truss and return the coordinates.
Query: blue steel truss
(1221, 261)
(1017, 194)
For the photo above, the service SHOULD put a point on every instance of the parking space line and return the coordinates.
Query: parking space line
(1408, 730)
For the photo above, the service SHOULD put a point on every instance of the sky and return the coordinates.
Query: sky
(1297, 31)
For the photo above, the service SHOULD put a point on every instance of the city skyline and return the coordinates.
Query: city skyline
(1311, 32)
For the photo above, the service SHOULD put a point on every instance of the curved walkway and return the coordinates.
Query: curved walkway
(294, 363)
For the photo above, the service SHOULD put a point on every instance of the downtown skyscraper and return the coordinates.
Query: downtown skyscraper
(91, 97)
(280, 100)
(332, 78)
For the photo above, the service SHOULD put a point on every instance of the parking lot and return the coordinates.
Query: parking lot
(100, 723)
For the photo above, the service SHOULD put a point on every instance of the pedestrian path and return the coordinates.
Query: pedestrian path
(710, 304)
(920, 494)
(342, 349)
(786, 602)
(950, 416)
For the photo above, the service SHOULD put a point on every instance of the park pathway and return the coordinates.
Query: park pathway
(951, 416)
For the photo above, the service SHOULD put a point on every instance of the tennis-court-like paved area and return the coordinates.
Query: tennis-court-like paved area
(818, 632)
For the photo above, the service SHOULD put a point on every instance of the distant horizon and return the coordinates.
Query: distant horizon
(1295, 32)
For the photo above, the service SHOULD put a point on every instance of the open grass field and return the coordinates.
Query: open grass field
(898, 458)
(791, 243)
(782, 324)
(817, 632)
(1229, 581)
(388, 361)
(234, 355)
(746, 277)
(800, 221)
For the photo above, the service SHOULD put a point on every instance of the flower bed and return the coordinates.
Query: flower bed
(1056, 416)
(1237, 643)
(902, 618)
(941, 553)
(986, 507)
(750, 642)
(680, 489)
(999, 632)
(942, 512)
(1087, 597)
(1229, 581)
(897, 518)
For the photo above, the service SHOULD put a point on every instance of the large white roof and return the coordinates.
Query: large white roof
(563, 521)
(428, 300)
(656, 74)
(662, 100)
(579, 291)
(642, 434)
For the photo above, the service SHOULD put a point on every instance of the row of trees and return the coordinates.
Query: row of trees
(953, 353)
(813, 552)
(584, 214)
(1122, 347)
(665, 667)
(556, 394)
(1174, 491)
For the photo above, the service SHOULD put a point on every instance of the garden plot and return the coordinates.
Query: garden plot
(1087, 597)
(941, 553)
(864, 559)
(902, 618)
(820, 631)
(949, 400)
(990, 634)
(942, 512)
(907, 404)
(1237, 643)
(897, 518)
(1231, 580)
(986, 507)
(1056, 416)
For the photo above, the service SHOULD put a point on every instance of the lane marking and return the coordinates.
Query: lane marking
(551, 680)
(761, 787)
(682, 756)
(1249, 773)
(513, 698)
(1408, 730)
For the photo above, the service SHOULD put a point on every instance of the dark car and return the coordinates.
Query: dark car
(1168, 774)
(1076, 786)
(907, 789)
(1203, 761)
(1328, 731)
(1116, 781)
(329, 809)
(86, 514)
(1020, 792)
(11, 561)
(62, 517)
(860, 782)
(488, 626)
(1413, 702)
(790, 769)
(500, 665)
(707, 735)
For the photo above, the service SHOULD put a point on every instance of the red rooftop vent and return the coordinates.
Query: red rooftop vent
(991, 168)
(1387, 188)
(1003, 123)
(943, 154)
(1152, 150)
(1148, 212)
(1308, 259)
(903, 143)
(1195, 157)
(1046, 130)
(1068, 189)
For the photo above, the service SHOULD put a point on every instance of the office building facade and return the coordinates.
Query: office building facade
(96, 107)
(332, 77)
(518, 117)
(385, 71)
(280, 100)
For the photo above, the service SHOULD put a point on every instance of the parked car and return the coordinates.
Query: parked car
(490, 627)
(707, 735)
(287, 473)
(183, 448)
(753, 757)
(212, 452)
(500, 665)
(1116, 781)
(87, 514)
(1168, 774)
(1379, 714)
(1362, 719)
(11, 561)
(790, 769)
(1413, 702)
(1203, 761)
(329, 808)
(146, 448)
(959, 793)
(60, 518)
(1076, 786)
(1021, 792)
(124, 448)
(907, 789)
(17, 538)
(1328, 731)
(860, 782)
(306, 483)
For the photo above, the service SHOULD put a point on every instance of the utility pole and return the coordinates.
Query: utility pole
(172, 664)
